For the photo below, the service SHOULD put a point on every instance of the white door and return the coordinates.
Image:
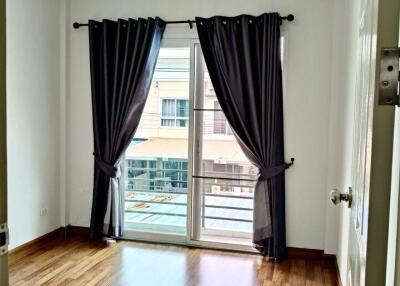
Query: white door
(3, 163)
(372, 151)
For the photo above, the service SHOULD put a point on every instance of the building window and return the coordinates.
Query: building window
(175, 112)
(157, 174)
(221, 125)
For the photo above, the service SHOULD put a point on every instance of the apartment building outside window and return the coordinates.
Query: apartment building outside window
(175, 112)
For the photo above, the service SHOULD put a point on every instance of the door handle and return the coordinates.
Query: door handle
(337, 197)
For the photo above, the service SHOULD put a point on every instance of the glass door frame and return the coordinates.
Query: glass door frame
(159, 236)
(193, 210)
(196, 125)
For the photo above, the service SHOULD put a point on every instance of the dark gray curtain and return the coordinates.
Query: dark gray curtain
(123, 55)
(242, 55)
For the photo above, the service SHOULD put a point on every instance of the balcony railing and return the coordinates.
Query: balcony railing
(231, 205)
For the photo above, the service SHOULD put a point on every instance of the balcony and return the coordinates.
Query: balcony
(160, 204)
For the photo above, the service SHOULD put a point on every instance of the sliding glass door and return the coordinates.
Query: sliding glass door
(156, 162)
(186, 178)
(223, 178)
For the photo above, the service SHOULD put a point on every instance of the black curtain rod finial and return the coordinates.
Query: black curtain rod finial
(77, 25)
(289, 17)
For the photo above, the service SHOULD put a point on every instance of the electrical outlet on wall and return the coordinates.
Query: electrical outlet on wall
(43, 212)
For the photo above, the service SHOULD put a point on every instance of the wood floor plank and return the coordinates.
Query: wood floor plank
(298, 272)
(75, 261)
(39, 264)
(281, 272)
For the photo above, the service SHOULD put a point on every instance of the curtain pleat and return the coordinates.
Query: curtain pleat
(243, 58)
(123, 55)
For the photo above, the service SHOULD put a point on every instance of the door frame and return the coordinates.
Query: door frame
(387, 35)
(193, 206)
(384, 33)
(393, 250)
(3, 135)
(159, 236)
(196, 133)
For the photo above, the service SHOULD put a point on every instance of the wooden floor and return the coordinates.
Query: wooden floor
(77, 262)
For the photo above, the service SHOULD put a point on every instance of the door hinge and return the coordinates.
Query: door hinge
(4, 239)
(389, 77)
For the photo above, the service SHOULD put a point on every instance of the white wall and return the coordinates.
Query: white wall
(340, 127)
(344, 63)
(307, 99)
(32, 118)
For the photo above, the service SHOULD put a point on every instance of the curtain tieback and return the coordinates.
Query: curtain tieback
(109, 170)
(269, 172)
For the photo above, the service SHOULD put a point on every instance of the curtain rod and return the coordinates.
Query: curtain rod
(77, 25)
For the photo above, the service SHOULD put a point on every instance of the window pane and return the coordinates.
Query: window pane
(168, 107)
(167, 122)
(156, 179)
(182, 122)
(138, 164)
(135, 173)
(219, 120)
(172, 65)
(171, 165)
(152, 164)
(227, 189)
(182, 108)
